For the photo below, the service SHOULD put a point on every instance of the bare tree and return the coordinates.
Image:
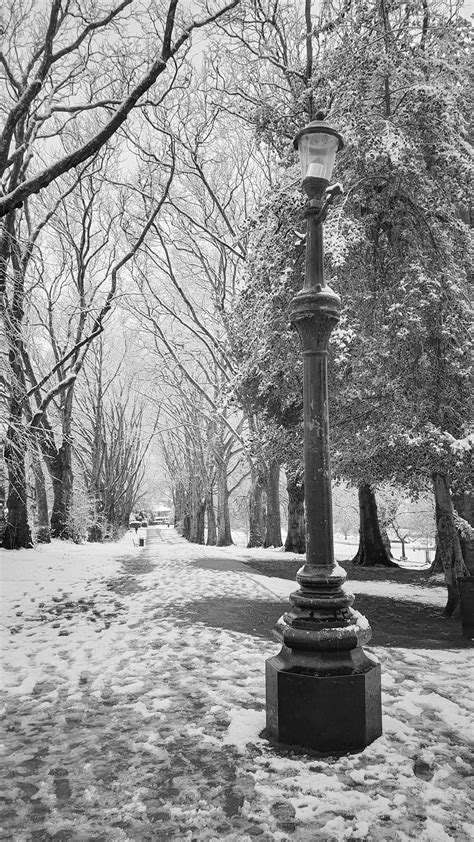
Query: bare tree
(65, 53)
(74, 298)
(61, 85)
(188, 279)
(112, 446)
(183, 446)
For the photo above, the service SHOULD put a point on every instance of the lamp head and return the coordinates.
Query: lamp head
(317, 145)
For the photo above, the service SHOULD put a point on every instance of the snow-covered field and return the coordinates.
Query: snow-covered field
(417, 555)
(124, 720)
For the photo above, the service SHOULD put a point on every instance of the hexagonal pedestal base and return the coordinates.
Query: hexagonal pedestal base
(323, 704)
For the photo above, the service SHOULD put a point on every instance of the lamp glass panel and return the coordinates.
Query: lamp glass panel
(317, 154)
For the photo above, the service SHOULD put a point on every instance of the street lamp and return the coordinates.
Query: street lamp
(323, 691)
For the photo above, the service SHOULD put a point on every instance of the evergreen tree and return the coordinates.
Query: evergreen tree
(394, 80)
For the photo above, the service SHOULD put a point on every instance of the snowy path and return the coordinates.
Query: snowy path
(122, 720)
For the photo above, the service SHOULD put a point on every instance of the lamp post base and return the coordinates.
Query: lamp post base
(325, 701)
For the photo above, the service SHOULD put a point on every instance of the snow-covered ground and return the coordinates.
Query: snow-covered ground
(416, 555)
(125, 720)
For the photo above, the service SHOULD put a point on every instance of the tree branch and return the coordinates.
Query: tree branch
(38, 182)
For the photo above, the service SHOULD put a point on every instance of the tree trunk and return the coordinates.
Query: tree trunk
(211, 521)
(273, 535)
(224, 535)
(60, 468)
(180, 508)
(59, 464)
(3, 497)
(200, 522)
(386, 540)
(372, 550)
(256, 509)
(197, 511)
(296, 535)
(448, 543)
(95, 533)
(186, 527)
(17, 533)
(464, 506)
(437, 563)
(196, 526)
(43, 535)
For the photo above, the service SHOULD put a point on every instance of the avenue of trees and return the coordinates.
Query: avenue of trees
(153, 236)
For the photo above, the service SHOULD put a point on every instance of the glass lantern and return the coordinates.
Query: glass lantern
(317, 145)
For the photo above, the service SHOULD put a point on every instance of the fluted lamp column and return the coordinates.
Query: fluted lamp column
(322, 690)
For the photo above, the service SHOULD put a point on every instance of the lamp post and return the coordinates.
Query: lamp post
(323, 691)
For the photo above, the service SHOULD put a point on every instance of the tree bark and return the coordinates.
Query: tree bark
(256, 509)
(211, 521)
(386, 540)
(224, 535)
(180, 508)
(372, 550)
(437, 563)
(448, 543)
(43, 535)
(186, 527)
(197, 511)
(58, 461)
(17, 534)
(273, 532)
(464, 506)
(196, 525)
(296, 535)
(60, 468)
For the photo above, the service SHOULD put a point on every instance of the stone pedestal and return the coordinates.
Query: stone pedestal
(331, 706)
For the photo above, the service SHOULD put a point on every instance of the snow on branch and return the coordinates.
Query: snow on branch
(42, 179)
(60, 387)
